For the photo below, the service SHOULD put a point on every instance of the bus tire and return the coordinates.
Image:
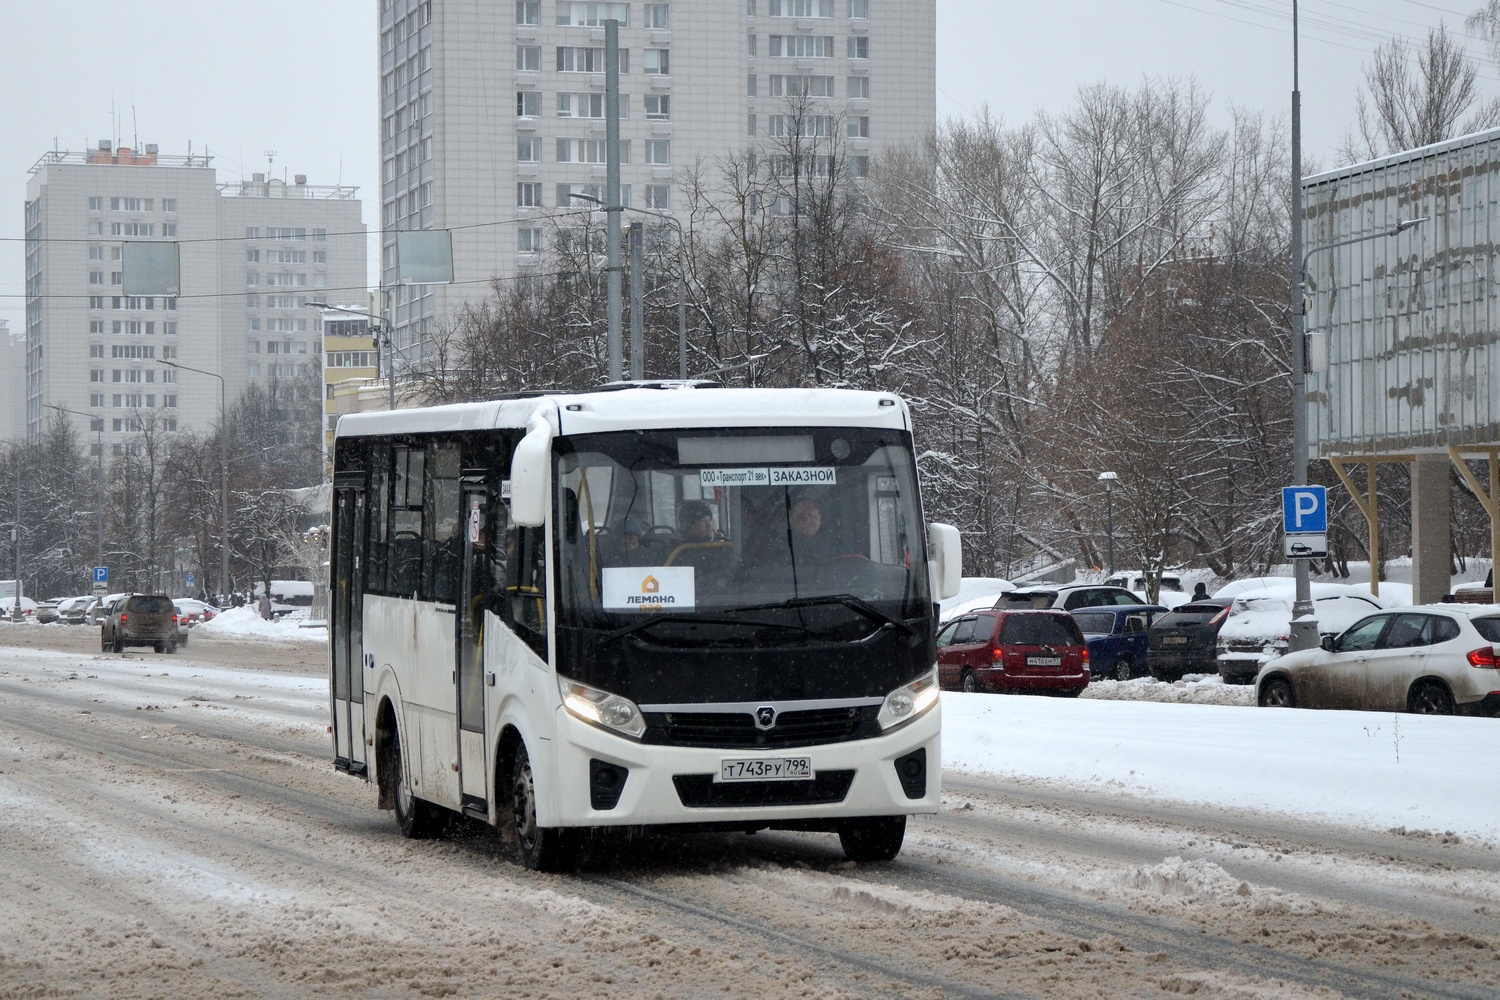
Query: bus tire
(416, 818)
(873, 838)
(539, 848)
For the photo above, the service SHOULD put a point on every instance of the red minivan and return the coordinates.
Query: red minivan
(1040, 651)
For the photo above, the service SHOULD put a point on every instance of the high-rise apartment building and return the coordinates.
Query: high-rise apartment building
(253, 255)
(492, 113)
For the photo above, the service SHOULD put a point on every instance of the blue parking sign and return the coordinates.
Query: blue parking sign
(189, 579)
(1304, 510)
(101, 574)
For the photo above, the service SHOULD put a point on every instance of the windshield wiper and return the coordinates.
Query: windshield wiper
(653, 620)
(862, 608)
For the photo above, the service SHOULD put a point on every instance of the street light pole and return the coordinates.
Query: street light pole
(1108, 479)
(223, 478)
(99, 480)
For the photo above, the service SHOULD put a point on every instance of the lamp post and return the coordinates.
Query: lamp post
(1109, 479)
(681, 276)
(99, 479)
(377, 333)
(223, 477)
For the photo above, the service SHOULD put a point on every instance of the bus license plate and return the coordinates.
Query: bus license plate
(767, 769)
(1044, 661)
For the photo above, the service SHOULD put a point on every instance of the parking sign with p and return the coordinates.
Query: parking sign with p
(1304, 510)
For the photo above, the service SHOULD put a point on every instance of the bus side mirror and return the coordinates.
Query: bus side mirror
(945, 561)
(529, 467)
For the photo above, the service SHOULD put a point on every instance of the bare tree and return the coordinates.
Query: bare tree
(1407, 104)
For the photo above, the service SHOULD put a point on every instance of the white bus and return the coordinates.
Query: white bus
(645, 605)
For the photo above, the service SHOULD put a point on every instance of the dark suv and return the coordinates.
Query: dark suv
(1185, 641)
(140, 620)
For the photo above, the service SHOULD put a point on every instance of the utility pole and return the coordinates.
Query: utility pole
(637, 303)
(1304, 627)
(612, 186)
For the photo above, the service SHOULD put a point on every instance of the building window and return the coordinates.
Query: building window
(659, 151)
(859, 87)
(659, 197)
(169, 204)
(592, 15)
(801, 86)
(658, 15)
(751, 85)
(320, 234)
(96, 253)
(169, 351)
(96, 301)
(252, 232)
(96, 277)
(96, 399)
(252, 255)
(528, 103)
(588, 150)
(96, 374)
(528, 240)
(859, 47)
(588, 105)
(96, 326)
(585, 59)
(528, 11)
(96, 229)
(750, 44)
(859, 166)
(96, 350)
(529, 195)
(859, 127)
(750, 124)
(130, 204)
(96, 203)
(170, 402)
(658, 107)
(801, 8)
(658, 62)
(169, 229)
(529, 58)
(802, 46)
(529, 149)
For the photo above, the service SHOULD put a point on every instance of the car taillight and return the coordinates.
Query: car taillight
(174, 619)
(997, 654)
(1484, 656)
(1085, 652)
(1219, 617)
(124, 618)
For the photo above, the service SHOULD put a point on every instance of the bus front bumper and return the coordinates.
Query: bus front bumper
(608, 780)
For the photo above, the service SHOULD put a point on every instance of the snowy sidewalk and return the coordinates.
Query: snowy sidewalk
(1362, 768)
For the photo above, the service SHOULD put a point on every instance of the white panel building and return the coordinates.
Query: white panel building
(253, 255)
(491, 112)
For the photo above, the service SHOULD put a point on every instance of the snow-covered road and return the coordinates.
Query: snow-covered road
(172, 826)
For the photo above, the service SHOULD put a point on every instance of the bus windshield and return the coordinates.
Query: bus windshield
(733, 536)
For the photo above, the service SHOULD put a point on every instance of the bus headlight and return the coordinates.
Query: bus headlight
(602, 709)
(906, 703)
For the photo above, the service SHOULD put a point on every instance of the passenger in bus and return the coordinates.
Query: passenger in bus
(699, 545)
(695, 523)
(627, 550)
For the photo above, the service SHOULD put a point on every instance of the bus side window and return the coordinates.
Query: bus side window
(404, 566)
(380, 491)
(443, 543)
(524, 606)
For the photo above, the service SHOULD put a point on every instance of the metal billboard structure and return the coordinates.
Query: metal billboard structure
(1404, 328)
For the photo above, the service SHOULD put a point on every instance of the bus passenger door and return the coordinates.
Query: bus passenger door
(476, 584)
(346, 606)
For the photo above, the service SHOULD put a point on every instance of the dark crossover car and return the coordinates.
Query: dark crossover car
(140, 620)
(1040, 651)
(1118, 638)
(1185, 640)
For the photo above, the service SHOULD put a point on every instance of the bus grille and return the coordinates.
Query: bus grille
(737, 730)
(700, 791)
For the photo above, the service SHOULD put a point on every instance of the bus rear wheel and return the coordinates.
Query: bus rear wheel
(417, 819)
(542, 849)
(874, 838)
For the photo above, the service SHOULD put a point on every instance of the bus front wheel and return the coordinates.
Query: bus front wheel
(542, 849)
(418, 819)
(873, 838)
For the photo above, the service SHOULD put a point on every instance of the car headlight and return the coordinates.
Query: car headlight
(602, 709)
(909, 701)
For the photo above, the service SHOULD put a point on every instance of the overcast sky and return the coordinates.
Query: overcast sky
(299, 76)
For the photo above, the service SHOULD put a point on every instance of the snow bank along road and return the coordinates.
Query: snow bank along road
(171, 826)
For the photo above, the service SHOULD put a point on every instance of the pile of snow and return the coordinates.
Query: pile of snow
(1373, 770)
(1196, 689)
(246, 622)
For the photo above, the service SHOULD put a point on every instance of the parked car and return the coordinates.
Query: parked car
(1118, 638)
(72, 610)
(1258, 627)
(46, 613)
(182, 623)
(1136, 581)
(8, 608)
(1184, 640)
(140, 620)
(197, 611)
(1040, 651)
(1068, 597)
(1434, 659)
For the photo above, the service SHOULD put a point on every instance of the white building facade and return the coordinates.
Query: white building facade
(493, 112)
(253, 255)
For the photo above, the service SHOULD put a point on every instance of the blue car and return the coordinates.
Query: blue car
(1116, 637)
